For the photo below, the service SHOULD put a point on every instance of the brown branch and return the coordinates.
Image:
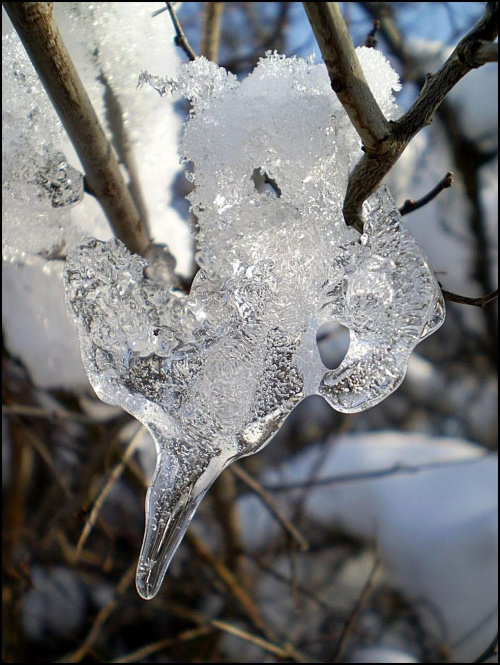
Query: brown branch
(139, 655)
(224, 496)
(410, 205)
(40, 36)
(371, 41)
(231, 582)
(242, 596)
(79, 654)
(277, 650)
(382, 150)
(269, 502)
(108, 486)
(180, 38)
(210, 34)
(351, 623)
(482, 301)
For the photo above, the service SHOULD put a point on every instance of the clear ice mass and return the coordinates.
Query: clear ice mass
(214, 374)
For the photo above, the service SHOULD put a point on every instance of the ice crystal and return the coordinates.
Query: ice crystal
(213, 375)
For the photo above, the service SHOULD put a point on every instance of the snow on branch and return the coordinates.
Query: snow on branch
(40, 36)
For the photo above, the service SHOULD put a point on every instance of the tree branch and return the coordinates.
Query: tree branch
(346, 76)
(40, 36)
(180, 39)
(383, 151)
(210, 35)
(482, 301)
(410, 205)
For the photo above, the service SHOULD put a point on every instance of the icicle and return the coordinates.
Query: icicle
(213, 375)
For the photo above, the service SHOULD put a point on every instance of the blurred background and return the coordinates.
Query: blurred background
(362, 538)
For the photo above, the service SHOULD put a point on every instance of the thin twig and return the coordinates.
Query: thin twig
(351, 623)
(210, 34)
(277, 650)
(112, 479)
(270, 503)
(40, 36)
(395, 469)
(410, 205)
(231, 582)
(139, 655)
(49, 414)
(180, 38)
(322, 604)
(242, 596)
(42, 450)
(482, 301)
(224, 497)
(490, 651)
(371, 41)
(80, 653)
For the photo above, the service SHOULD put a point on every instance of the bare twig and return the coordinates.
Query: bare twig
(224, 496)
(269, 502)
(277, 650)
(395, 469)
(210, 34)
(351, 623)
(48, 414)
(180, 39)
(231, 582)
(410, 205)
(482, 301)
(489, 652)
(80, 653)
(385, 142)
(44, 453)
(371, 41)
(40, 36)
(113, 477)
(139, 655)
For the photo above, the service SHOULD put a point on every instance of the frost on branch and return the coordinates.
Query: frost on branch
(214, 374)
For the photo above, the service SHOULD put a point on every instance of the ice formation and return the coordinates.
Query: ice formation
(213, 375)
(36, 177)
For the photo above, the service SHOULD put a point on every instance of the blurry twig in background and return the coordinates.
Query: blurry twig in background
(277, 650)
(351, 623)
(371, 41)
(377, 473)
(101, 618)
(481, 301)
(210, 33)
(410, 204)
(113, 477)
(491, 651)
(269, 502)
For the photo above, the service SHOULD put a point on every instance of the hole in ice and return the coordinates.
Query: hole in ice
(333, 342)
(264, 183)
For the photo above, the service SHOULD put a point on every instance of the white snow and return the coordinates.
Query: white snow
(432, 517)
